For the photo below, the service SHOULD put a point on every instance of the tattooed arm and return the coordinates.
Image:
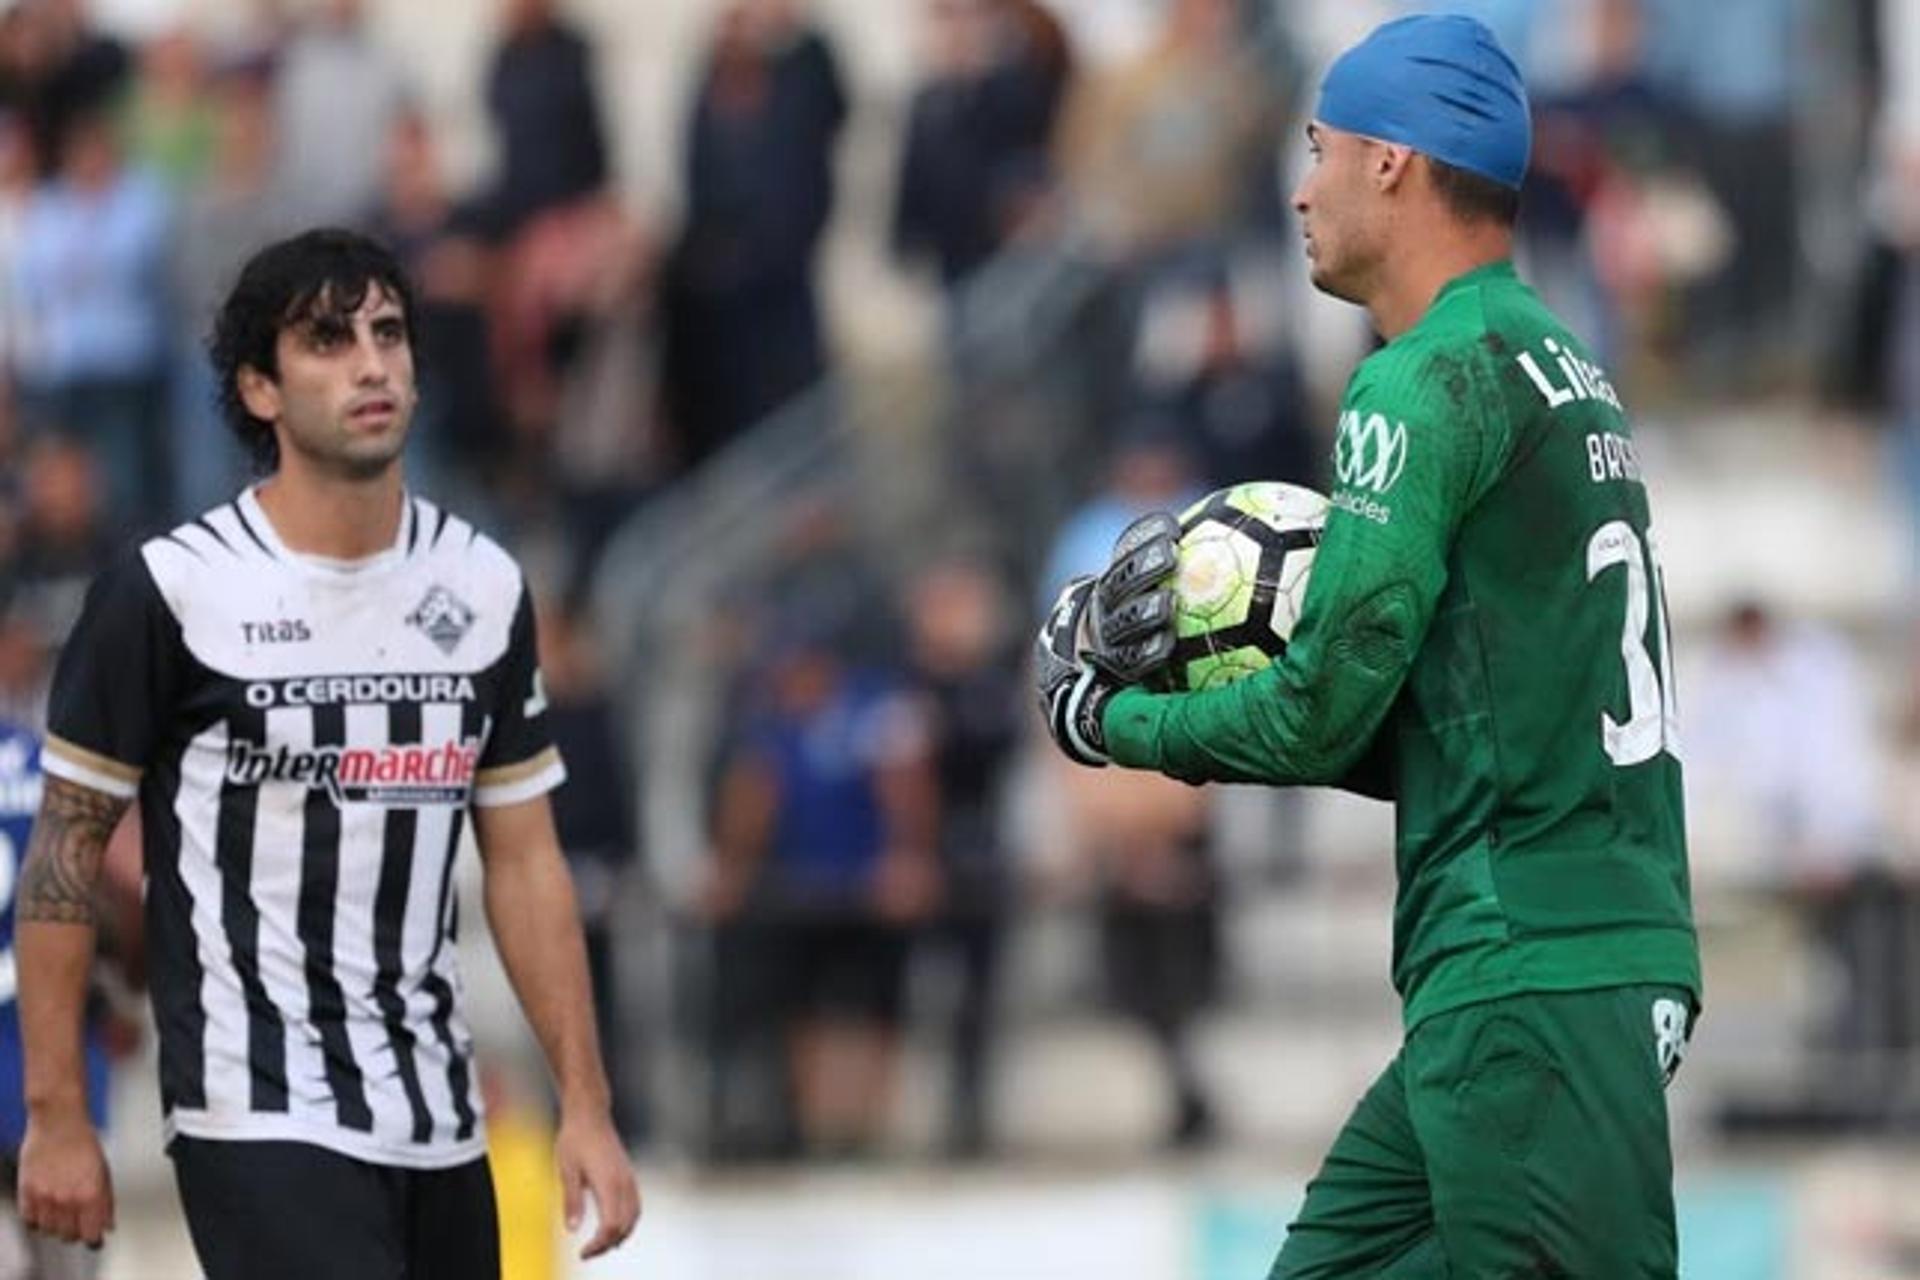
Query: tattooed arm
(64, 1189)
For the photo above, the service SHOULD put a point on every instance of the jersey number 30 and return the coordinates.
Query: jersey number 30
(1653, 722)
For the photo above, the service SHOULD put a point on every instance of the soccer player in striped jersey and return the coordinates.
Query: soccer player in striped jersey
(312, 692)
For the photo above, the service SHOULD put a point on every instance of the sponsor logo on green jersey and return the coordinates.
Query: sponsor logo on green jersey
(1370, 452)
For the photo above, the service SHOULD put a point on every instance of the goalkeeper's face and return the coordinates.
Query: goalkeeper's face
(1343, 211)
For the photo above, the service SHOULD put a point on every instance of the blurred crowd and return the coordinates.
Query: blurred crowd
(1726, 200)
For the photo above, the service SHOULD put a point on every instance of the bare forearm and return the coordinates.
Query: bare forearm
(56, 916)
(536, 926)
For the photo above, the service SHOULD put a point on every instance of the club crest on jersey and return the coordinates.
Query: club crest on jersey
(443, 616)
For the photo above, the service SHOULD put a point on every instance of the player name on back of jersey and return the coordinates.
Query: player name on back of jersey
(1611, 457)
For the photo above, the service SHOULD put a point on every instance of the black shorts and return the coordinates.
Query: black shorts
(295, 1211)
(845, 967)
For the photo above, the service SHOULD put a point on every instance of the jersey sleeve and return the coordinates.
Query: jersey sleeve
(116, 681)
(1419, 441)
(520, 760)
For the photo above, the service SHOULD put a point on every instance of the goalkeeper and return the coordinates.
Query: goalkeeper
(1483, 641)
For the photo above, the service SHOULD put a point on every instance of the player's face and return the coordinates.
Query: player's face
(345, 395)
(1339, 211)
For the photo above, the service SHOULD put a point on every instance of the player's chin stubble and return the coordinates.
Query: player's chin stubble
(354, 460)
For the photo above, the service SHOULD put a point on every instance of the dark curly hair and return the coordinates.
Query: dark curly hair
(320, 273)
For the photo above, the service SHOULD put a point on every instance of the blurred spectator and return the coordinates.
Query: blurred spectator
(546, 116)
(25, 669)
(594, 815)
(975, 163)
(1895, 209)
(1735, 67)
(1214, 367)
(824, 839)
(22, 62)
(54, 64)
(170, 118)
(969, 675)
(743, 320)
(1598, 125)
(1144, 840)
(19, 173)
(1860, 353)
(59, 539)
(1149, 472)
(571, 254)
(1783, 771)
(1178, 144)
(91, 283)
(224, 218)
(567, 270)
(458, 440)
(338, 96)
(1779, 726)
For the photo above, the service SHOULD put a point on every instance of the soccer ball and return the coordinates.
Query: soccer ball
(1245, 552)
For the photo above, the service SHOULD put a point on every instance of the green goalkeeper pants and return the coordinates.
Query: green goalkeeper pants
(1522, 1137)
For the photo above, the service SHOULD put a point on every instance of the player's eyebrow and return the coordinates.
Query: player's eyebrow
(1313, 134)
(325, 324)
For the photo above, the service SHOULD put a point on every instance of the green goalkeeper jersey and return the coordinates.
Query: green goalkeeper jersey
(1485, 615)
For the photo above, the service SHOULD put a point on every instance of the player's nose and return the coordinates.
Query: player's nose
(369, 366)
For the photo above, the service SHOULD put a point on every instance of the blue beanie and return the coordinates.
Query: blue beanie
(1441, 84)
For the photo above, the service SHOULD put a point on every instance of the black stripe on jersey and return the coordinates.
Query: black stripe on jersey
(233, 853)
(439, 526)
(217, 536)
(319, 884)
(389, 918)
(413, 525)
(241, 516)
(173, 952)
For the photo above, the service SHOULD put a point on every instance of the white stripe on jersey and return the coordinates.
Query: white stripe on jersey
(56, 764)
(546, 773)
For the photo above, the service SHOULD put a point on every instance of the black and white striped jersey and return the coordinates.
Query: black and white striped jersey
(306, 738)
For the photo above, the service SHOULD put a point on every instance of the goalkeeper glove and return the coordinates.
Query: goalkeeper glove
(1073, 690)
(1105, 633)
(1130, 626)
